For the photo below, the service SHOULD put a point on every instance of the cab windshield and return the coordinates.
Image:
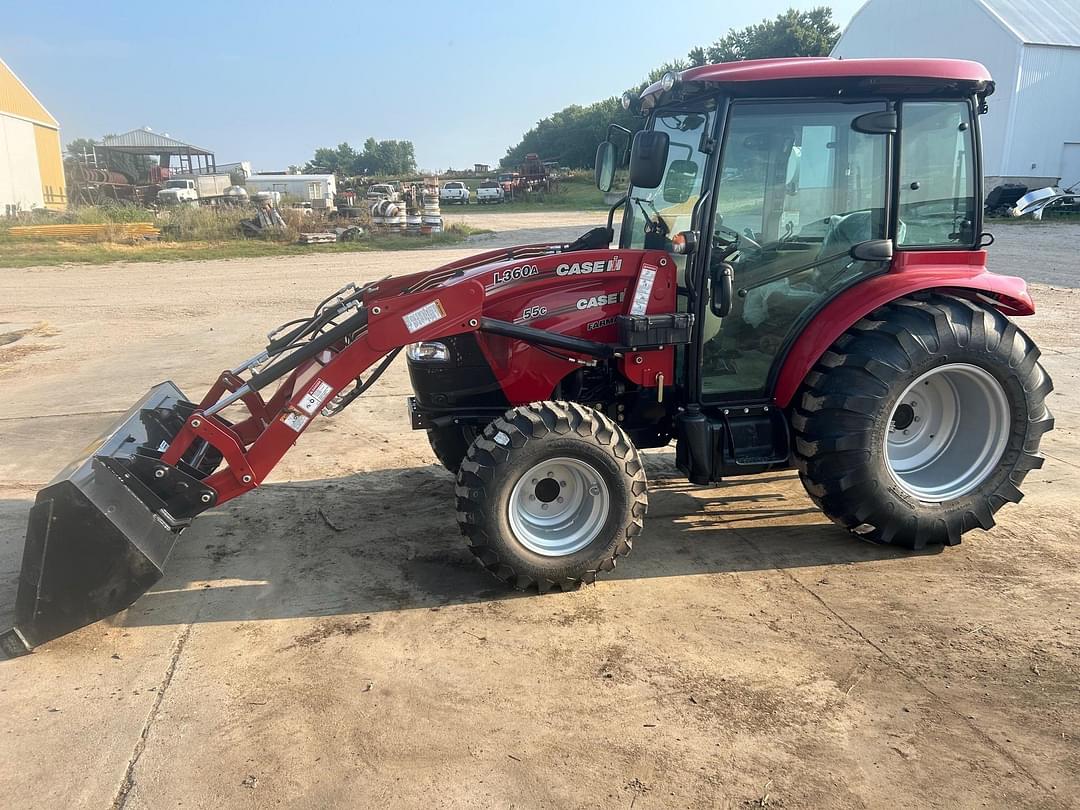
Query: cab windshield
(673, 201)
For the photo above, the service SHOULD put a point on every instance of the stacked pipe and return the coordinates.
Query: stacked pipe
(431, 219)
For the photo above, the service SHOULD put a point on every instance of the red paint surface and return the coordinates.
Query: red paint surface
(825, 67)
(958, 272)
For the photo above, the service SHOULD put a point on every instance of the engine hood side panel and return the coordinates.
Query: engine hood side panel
(569, 293)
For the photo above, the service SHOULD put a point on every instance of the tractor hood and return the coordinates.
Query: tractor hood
(577, 293)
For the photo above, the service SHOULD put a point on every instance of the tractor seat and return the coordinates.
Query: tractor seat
(846, 230)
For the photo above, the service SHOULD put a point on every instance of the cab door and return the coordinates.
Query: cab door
(799, 184)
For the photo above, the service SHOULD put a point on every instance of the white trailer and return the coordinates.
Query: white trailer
(317, 189)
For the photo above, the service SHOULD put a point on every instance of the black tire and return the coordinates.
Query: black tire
(843, 413)
(513, 444)
(451, 443)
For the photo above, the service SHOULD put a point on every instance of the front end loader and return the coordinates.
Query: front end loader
(799, 280)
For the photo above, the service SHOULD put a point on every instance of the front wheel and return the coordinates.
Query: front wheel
(550, 495)
(922, 421)
(451, 443)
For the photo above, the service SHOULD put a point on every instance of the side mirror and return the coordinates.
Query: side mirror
(648, 157)
(723, 290)
(604, 168)
(679, 181)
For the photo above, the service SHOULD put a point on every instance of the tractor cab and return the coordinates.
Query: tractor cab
(778, 185)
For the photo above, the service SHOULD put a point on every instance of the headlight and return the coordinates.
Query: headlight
(669, 80)
(627, 100)
(428, 352)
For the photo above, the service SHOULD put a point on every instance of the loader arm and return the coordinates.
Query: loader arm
(310, 378)
(100, 533)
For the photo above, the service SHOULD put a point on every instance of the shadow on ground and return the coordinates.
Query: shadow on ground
(388, 541)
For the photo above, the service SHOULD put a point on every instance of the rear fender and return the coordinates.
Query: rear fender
(958, 273)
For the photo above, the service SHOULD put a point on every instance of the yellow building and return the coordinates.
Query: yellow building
(31, 161)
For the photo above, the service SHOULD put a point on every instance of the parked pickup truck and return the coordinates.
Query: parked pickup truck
(454, 192)
(381, 191)
(199, 188)
(489, 192)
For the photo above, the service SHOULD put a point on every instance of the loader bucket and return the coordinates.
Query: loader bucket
(97, 537)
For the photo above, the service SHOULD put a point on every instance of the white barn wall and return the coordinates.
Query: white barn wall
(953, 29)
(20, 180)
(1046, 113)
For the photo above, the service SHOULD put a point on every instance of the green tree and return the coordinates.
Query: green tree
(793, 33)
(339, 160)
(570, 135)
(79, 147)
(377, 157)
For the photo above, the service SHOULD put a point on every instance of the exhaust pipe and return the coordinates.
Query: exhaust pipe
(100, 533)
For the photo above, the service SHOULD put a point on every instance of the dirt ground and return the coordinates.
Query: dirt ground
(328, 641)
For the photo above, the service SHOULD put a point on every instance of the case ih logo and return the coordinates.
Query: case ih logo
(612, 265)
(601, 300)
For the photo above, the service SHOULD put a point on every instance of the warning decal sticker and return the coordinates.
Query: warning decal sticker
(424, 316)
(643, 290)
(295, 420)
(314, 397)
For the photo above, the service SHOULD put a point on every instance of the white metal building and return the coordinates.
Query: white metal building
(1031, 47)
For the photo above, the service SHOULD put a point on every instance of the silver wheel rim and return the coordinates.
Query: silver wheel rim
(559, 506)
(947, 432)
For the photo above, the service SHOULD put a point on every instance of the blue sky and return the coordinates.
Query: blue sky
(270, 82)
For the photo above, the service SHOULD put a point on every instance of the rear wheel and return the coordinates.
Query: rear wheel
(922, 421)
(550, 495)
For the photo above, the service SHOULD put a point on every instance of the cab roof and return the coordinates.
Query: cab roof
(824, 73)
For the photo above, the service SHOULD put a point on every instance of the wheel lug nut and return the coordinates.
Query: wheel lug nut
(905, 433)
(534, 480)
(560, 500)
(916, 419)
(543, 506)
(562, 483)
(532, 497)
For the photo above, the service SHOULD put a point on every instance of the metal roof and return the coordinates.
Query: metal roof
(17, 100)
(145, 142)
(825, 67)
(1039, 22)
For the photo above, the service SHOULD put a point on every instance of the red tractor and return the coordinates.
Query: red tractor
(799, 280)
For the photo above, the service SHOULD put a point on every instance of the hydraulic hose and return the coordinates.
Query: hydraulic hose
(307, 351)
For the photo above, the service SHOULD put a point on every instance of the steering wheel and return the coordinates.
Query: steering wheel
(737, 239)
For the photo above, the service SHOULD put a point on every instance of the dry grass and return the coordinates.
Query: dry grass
(36, 253)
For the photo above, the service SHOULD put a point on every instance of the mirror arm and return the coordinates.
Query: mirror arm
(611, 211)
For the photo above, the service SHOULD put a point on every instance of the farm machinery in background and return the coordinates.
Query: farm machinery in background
(96, 185)
(533, 177)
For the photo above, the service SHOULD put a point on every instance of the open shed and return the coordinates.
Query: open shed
(190, 159)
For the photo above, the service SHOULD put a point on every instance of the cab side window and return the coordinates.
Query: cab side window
(937, 175)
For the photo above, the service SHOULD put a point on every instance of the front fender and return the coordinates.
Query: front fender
(959, 273)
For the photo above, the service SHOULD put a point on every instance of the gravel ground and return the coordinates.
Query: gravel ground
(1042, 252)
(327, 640)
